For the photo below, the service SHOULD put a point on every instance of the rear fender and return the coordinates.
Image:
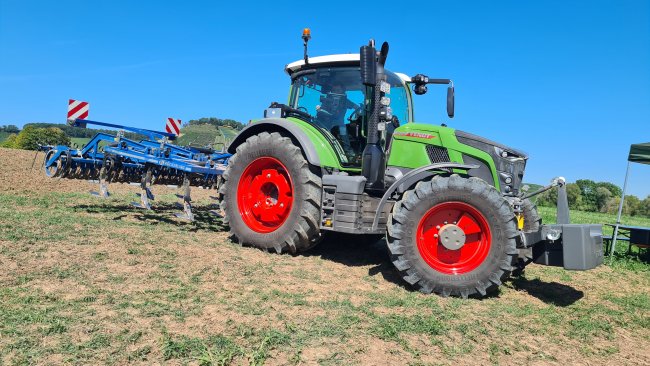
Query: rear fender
(314, 146)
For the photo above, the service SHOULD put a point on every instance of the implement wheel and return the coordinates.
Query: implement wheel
(453, 236)
(59, 168)
(270, 197)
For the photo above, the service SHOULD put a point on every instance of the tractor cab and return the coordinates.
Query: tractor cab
(329, 89)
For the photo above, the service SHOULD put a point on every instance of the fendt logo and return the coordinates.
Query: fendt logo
(415, 134)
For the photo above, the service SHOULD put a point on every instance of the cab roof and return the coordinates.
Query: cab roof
(346, 59)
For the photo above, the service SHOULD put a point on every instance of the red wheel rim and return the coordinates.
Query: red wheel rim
(265, 195)
(477, 244)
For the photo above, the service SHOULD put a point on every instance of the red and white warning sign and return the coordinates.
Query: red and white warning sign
(173, 126)
(77, 109)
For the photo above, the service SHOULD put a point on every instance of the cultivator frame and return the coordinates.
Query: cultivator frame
(116, 159)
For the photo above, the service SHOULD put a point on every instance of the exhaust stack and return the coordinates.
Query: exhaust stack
(373, 164)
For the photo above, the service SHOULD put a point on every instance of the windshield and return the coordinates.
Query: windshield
(336, 98)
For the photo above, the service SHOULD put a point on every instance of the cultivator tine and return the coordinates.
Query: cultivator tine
(187, 205)
(103, 185)
(144, 201)
(145, 194)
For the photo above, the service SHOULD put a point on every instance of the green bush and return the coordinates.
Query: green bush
(31, 137)
(9, 142)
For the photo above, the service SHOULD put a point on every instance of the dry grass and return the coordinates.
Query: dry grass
(87, 281)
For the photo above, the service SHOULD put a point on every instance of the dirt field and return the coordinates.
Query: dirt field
(90, 281)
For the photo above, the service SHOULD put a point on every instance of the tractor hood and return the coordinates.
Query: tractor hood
(480, 143)
(509, 163)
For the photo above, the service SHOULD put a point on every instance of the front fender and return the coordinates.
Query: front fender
(412, 177)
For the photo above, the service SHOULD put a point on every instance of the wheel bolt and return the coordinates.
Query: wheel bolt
(438, 227)
(268, 175)
(435, 235)
(281, 205)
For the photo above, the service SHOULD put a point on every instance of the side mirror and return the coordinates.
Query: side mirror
(450, 101)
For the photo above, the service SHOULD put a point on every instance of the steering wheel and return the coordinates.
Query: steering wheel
(356, 113)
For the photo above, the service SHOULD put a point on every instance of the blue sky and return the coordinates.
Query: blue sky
(566, 81)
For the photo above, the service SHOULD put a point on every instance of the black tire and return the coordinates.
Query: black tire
(532, 222)
(300, 230)
(416, 203)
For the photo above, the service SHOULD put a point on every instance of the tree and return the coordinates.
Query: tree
(611, 187)
(601, 197)
(83, 132)
(549, 198)
(632, 206)
(9, 142)
(9, 129)
(574, 195)
(588, 191)
(644, 207)
(31, 137)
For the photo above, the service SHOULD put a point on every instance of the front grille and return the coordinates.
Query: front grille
(437, 154)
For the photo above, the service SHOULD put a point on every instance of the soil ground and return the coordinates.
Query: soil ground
(90, 281)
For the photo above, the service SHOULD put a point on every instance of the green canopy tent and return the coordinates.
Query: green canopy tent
(639, 153)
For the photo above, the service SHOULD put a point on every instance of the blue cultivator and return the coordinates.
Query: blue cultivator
(108, 159)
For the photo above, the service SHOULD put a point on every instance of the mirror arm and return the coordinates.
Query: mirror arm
(440, 81)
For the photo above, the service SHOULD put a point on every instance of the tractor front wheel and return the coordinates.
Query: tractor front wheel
(453, 236)
(270, 196)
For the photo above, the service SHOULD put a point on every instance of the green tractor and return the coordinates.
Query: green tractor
(345, 155)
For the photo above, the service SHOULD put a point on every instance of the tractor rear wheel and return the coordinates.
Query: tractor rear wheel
(453, 236)
(270, 197)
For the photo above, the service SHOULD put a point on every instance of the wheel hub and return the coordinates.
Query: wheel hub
(452, 236)
(265, 194)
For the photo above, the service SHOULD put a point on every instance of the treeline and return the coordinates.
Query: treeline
(217, 122)
(30, 138)
(587, 195)
(9, 129)
(81, 132)
(34, 135)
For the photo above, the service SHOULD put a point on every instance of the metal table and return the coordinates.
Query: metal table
(634, 235)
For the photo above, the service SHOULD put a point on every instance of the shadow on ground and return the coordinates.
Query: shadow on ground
(549, 292)
(161, 213)
(357, 250)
